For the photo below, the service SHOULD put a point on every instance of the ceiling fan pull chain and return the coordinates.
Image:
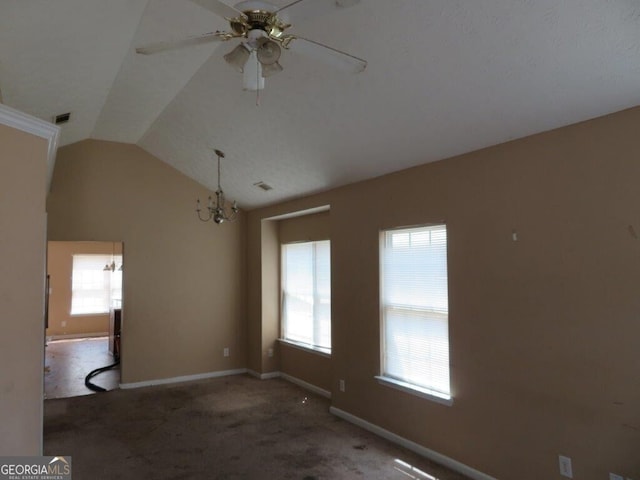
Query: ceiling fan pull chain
(257, 83)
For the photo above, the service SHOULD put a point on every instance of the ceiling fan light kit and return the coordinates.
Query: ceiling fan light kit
(271, 69)
(238, 57)
(268, 51)
(263, 27)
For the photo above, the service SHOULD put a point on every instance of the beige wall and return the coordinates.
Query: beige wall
(305, 228)
(60, 270)
(255, 354)
(183, 299)
(23, 171)
(544, 331)
(311, 367)
(270, 294)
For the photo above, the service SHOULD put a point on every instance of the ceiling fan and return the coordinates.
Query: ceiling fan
(262, 27)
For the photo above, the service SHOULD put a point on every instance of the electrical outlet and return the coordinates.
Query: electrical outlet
(225, 352)
(613, 476)
(63, 323)
(565, 466)
(342, 386)
(270, 352)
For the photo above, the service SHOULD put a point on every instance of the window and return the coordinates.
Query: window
(415, 310)
(92, 287)
(306, 294)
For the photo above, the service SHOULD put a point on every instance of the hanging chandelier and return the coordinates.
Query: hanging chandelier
(218, 212)
(111, 267)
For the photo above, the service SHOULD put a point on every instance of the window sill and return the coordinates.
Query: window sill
(415, 390)
(323, 352)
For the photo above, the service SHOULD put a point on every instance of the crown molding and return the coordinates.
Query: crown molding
(35, 126)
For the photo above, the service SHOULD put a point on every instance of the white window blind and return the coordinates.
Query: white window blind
(415, 308)
(306, 293)
(92, 287)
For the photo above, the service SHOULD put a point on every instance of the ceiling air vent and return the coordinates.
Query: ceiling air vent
(264, 186)
(62, 118)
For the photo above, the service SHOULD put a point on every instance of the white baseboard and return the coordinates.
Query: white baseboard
(71, 336)
(301, 383)
(185, 378)
(414, 447)
(263, 376)
(306, 385)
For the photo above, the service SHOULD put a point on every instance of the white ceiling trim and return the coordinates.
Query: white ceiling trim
(301, 213)
(35, 126)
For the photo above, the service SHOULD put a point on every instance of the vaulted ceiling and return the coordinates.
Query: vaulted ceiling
(443, 77)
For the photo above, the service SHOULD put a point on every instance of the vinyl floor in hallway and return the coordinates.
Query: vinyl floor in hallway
(67, 363)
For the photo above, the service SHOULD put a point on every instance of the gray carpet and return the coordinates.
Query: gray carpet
(226, 428)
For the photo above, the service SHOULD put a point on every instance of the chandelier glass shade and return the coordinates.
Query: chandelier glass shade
(218, 211)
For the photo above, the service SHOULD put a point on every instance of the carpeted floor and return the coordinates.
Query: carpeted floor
(226, 428)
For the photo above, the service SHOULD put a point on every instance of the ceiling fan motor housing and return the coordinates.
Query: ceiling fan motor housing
(260, 17)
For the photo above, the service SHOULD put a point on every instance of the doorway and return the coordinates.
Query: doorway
(84, 309)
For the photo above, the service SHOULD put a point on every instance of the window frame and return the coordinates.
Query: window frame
(432, 394)
(313, 347)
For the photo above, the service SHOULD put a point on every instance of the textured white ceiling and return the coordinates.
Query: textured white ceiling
(444, 77)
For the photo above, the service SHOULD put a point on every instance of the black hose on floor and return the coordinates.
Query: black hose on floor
(97, 371)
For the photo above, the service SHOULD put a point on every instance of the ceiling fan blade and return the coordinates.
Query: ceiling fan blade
(195, 40)
(326, 54)
(220, 8)
(302, 9)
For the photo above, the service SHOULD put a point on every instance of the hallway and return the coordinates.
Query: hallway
(67, 363)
